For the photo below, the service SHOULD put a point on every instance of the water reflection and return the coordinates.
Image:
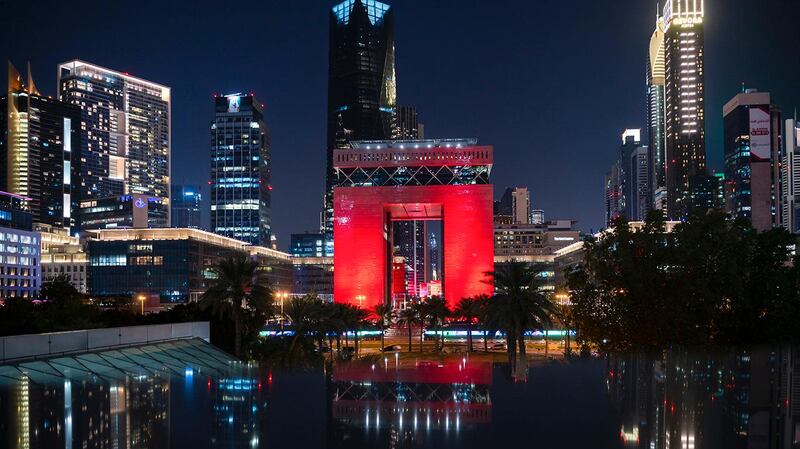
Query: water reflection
(686, 399)
(416, 403)
(197, 397)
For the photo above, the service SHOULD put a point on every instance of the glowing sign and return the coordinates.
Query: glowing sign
(139, 203)
(234, 102)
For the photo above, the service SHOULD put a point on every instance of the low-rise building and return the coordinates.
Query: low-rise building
(163, 267)
(20, 269)
(63, 254)
(123, 211)
(313, 275)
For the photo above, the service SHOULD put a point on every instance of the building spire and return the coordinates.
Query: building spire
(31, 86)
(14, 78)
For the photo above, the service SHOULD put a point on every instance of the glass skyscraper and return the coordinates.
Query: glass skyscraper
(187, 202)
(656, 80)
(125, 133)
(240, 170)
(362, 91)
(40, 151)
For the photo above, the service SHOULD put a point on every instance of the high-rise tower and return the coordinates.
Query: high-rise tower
(684, 102)
(361, 81)
(40, 151)
(240, 170)
(125, 135)
(655, 116)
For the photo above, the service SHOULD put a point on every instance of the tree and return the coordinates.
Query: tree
(409, 317)
(240, 292)
(436, 310)
(713, 280)
(384, 315)
(420, 313)
(469, 310)
(519, 304)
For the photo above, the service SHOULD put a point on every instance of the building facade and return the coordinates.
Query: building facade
(125, 128)
(64, 255)
(168, 266)
(790, 177)
(752, 132)
(186, 204)
(123, 212)
(379, 182)
(20, 249)
(684, 102)
(628, 182)
(656, 81)
(362, 84)
(40, 151)
(410, 127)
(241, 168)
(310, 244)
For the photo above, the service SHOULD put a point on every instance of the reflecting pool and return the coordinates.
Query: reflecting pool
(190, 395)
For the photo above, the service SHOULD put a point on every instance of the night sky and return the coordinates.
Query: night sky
(550, 83)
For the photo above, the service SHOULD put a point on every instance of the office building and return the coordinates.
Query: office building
(124, 212)
(312, 275)
(752, 132)
(241, 168)
(40, 151)
(629, 181)
(514, 206)
(656, 81)
(684, 102)
(310, 244)
(186, 203)
(790, 177)
(410, 127)
(410, 246)
(63, 255)
(125, 133)
(20, 269)
(169, 266)
(362, 85)
(614, 205)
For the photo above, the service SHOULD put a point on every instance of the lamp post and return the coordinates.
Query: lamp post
(141, 299)
(282, 296)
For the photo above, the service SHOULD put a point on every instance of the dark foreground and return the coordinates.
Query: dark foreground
(194, 397)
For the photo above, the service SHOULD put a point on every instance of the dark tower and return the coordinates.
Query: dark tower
(361, 81)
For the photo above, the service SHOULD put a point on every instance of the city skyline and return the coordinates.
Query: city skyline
(532, 148)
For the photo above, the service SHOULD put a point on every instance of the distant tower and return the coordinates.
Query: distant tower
(186, 204)
(362, 83)
(240, 170)
(656, 79)
(684, 102)
(410, 127)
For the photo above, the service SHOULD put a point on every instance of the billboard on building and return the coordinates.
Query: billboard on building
(760, 139)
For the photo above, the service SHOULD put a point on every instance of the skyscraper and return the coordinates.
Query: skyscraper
(656, 80)
(361, 81)
(186, 203)
(125, 134)
(790, 177)
(40, 151)
(240, 170)
(628, 182)
(410, 127)
(684, 102)
(521, 205)
(752, 132)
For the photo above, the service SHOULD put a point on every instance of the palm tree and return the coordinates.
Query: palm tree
(239, 290)
(420, 312)
(304, 314)
(483, 301)
(468, 309)
(354, 318)
(409, 317)
(519, 304)
(437, 313)
(384, 315)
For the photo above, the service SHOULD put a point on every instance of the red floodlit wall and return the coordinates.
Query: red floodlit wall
(360, 232)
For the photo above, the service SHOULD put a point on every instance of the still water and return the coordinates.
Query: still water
(188, 395)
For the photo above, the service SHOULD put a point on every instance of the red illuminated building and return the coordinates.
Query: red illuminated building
(379, 182)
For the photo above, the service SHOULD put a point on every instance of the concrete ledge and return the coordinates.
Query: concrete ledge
(18, 347)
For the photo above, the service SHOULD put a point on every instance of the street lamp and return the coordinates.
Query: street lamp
(282, 296)
(141, 299)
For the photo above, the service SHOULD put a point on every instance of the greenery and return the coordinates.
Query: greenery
(712, 281)
(519, 305)
(240, 292)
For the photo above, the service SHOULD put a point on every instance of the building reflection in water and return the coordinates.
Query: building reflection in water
(111, 400)
(385, 405)
(684, 399)
(238, 404)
